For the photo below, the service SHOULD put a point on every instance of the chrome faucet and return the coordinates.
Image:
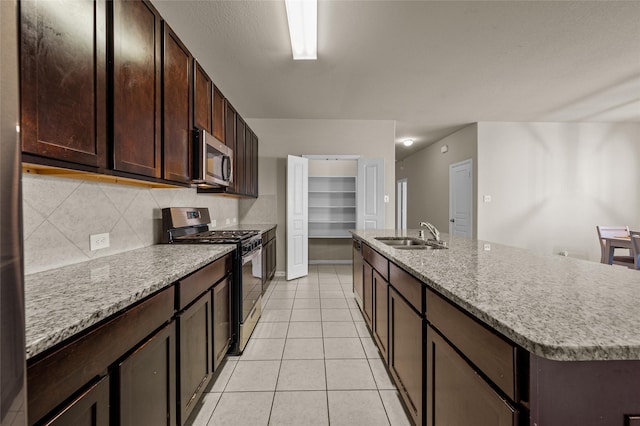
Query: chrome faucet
(432, 229)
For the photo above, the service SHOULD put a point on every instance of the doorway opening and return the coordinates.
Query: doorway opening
(401, 197)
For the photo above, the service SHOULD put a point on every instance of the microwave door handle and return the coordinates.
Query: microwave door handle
(226, 171)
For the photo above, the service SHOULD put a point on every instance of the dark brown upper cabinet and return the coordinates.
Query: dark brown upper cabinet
(230, 125)
(248, 161)
(254, 165)
(239, 181)
(202, 99)
(136, 87)
(176, 107)
(63, 81)
(251, 163)
(218, 115)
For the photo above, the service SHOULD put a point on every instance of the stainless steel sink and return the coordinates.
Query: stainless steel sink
(411, 243)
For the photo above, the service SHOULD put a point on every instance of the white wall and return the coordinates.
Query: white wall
(552, 183)
(281, 137)
(427, 174)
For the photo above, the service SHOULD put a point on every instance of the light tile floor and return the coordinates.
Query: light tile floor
(310, 361)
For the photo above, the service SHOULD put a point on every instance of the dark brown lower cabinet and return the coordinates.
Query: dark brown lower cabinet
(358, 261)
(367, 293)
(456, 394)
(147, 382)
(221, 294)
(194, 354)
(91, 408)
(406, 354)
(268, 257)
(381, 314)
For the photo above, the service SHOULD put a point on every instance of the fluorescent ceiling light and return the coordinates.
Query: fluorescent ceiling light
(408, 142)
(303, 28)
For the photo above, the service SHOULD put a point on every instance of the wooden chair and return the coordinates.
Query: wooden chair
(613, 231)
(635, 243)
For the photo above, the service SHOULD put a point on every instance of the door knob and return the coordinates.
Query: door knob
(452, 220)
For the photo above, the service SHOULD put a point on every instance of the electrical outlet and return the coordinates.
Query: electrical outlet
(386, 198)
(487, 198)
(487, 247)
(226, 221)
(213, 223)
(234, 220)
(99, 241)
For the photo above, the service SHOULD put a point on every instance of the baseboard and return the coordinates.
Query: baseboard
(330, 262)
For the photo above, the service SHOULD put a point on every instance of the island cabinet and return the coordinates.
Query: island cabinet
(473, 371)
(63, 78)
(137, 88)
(406, 340)
(177, 92)
(376, 296)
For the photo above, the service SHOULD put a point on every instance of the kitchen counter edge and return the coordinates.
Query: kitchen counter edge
(63, 302)
(544, 321)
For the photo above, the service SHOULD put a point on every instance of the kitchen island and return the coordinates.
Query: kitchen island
(541, 340)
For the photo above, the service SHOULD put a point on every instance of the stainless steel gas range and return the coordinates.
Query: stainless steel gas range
(188, 225)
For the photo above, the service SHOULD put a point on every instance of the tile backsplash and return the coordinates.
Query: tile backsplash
(60, 214)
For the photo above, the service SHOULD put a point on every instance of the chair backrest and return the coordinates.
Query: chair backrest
(611, 231)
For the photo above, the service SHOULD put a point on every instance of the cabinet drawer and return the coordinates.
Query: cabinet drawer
(409, 287)
(493, 355)
(191, 287)
(375, 259)
(457, 394)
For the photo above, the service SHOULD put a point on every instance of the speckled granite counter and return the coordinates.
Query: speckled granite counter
(64, 301)
(555, 307)
(251, 227)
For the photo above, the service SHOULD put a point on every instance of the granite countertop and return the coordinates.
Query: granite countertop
(262, 228)
(64, 301)
(556, 307)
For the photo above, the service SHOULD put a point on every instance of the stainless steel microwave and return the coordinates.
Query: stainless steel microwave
(213, 165)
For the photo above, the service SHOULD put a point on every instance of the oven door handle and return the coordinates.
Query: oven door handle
(246, 258)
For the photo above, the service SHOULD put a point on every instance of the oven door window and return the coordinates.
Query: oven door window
(251, 281)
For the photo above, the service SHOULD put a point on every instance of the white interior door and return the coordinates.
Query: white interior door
(370, 193)
(401, 199)
(461, 199)
(297, 217)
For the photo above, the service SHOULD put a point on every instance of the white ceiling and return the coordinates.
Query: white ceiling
(433, 66)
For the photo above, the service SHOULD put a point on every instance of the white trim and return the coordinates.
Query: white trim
(329, 262)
